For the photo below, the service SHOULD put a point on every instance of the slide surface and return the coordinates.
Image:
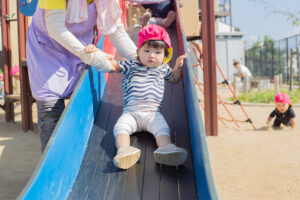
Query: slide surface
(77, 163)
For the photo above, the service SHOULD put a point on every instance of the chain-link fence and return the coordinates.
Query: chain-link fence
(273, 58)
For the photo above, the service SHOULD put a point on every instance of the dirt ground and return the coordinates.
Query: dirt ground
(19, 154)
(257, 164)
(247, 164)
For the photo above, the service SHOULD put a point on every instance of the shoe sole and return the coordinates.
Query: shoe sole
(127, 161)
(170, 159)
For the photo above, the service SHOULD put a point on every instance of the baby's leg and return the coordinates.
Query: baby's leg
(122, 140)
(169, 19)
(277, 123)
(127, 155)
(166, 153)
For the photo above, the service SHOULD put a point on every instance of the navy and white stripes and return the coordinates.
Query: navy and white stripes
(143, 85)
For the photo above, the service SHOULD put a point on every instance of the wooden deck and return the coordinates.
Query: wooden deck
(99, 179)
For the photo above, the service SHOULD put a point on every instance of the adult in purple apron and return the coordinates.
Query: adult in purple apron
(56, 57)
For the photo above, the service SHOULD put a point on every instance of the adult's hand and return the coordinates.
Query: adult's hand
(55, 22)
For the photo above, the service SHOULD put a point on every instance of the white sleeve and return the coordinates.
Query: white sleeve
(121, 40)
(55, 23)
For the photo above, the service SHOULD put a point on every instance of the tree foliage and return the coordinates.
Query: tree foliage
(293, 16)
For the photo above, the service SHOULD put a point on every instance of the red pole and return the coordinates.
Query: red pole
(209, 60)
(6, 49)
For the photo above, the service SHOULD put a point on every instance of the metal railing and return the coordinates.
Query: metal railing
(274, 57)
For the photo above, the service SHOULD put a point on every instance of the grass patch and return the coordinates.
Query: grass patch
(267, 96)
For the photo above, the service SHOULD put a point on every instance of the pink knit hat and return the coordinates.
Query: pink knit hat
(153, 32)
(282, 98)
(14, 71)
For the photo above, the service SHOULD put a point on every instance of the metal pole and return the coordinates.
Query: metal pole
(287, 59)
(272, 62)
(209, 60)
(291, 70)
(230, 15)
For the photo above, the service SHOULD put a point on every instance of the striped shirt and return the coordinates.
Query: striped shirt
(143, 86)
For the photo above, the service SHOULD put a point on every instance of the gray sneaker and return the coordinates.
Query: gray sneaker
(170, 155)
(126, 157)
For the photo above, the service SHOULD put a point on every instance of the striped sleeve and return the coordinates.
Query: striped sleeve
(125, 66)
(169, 74)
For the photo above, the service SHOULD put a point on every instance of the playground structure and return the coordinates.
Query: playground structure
(77, 161)
(198, 54)
(24, 97)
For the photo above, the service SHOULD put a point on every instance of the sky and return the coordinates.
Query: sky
(256, 21)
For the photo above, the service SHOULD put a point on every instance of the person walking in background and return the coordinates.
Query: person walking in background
(284, 112)
(241, 70)
(56, 56)
(244, 74)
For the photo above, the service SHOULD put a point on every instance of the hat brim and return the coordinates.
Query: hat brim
(167, 59)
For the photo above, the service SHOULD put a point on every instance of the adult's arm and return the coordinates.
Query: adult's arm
(121, 40)
(55, 22)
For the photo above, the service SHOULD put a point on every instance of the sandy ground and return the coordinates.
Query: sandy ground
(247, 164)
(19, 154)
(257, 164)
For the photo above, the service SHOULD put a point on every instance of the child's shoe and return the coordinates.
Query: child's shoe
(170, 155)
(146, 18)
(169, 19)
(126, 157)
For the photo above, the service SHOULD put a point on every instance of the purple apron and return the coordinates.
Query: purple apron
(53, 70)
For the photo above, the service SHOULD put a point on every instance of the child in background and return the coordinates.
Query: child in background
(161, 14)
(15, 72)
(283, 112)
(143, 85)
(15, 75)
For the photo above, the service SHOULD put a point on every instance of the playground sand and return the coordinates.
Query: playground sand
(19, 154)
(256, 164)
(247, 163)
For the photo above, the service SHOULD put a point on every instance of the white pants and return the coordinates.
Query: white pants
(131, 122)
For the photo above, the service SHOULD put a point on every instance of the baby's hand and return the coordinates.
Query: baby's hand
(90, 48)
(114, 63)
(180, 59)
(268, 121)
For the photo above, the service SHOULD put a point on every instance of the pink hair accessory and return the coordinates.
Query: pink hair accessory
(282, 98)
(14, 71)
(153, 32)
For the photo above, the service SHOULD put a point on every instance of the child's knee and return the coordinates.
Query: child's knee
(122, 129)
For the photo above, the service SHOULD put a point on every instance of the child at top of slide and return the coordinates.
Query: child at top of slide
(143, 85)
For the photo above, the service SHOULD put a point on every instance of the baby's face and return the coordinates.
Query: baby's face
(150, 56)
(282, 107)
